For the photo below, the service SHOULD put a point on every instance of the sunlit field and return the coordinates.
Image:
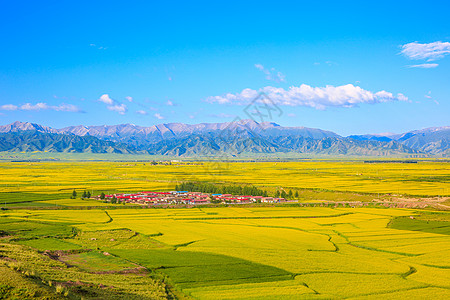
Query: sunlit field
(241, 253)
(51, 183)
(97, 250)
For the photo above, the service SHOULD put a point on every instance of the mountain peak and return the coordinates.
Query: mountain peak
(22, 126)
(248, 136)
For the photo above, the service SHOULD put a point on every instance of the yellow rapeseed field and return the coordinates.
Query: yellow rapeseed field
(329, 252)
(61, 178)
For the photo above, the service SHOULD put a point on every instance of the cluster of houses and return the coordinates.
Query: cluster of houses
(185, 197)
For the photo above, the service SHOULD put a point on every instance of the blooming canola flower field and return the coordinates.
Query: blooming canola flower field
(84, 247)
(268, 252)
(51, 183)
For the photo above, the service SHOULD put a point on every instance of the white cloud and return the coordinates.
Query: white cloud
(66, 107)
(37, 106)
(129, 98)
(222, 116)
(170, 103)
(428, 96)
(120, 108)
(430, 51)
(259, 67)
(316, 97)
(113, 105)
(158, 116)
(424, 66)
(106, 99)
(9, 107)
(271, 74)
(42, 106)
(141, 112)
(98, 47)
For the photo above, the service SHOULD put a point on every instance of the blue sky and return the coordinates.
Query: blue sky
(347, 66)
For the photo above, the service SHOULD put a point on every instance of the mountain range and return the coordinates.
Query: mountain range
(212, 139)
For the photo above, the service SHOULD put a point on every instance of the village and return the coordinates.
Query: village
(185, 197)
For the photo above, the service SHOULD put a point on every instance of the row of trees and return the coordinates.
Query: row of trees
(86, 194)
(288, 195)
(232, 189)
(221, 189)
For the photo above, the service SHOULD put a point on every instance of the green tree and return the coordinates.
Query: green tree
(84, 195)
(296, 194)
(88, 194)
(74, 194)
(102, 196)
(283, 195)
(290, 194)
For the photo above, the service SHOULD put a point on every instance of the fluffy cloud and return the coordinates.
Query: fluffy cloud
(37, 106)
(430, 51)
(42, 106)
(113, 105)
(222, 116)
(170, 103)
(120, 108)
(9, 107)
(271, 74)
(316, 97)
(66, 107)
(158, 116)
(129, 98)
(141, 112)
(106, 99)
(424, 66)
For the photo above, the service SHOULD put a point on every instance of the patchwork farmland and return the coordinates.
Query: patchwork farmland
(56, 245)
(234, 252)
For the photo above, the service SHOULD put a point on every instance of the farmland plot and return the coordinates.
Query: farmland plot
(266, 253)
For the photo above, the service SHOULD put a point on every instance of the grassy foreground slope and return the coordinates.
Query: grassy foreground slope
(231, 253)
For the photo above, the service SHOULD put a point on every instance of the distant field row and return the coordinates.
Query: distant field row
(26, 182)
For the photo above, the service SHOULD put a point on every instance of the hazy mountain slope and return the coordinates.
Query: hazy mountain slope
(202, 145)
(232, 138)
(22, 126)
(33, 140)
(370, 137)
(434, 140)
(136, 135)
(430, 140)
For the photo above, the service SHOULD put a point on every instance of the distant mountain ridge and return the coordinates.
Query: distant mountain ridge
(33, 140)
(434, 140)
(155, 133)
(231, 138)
